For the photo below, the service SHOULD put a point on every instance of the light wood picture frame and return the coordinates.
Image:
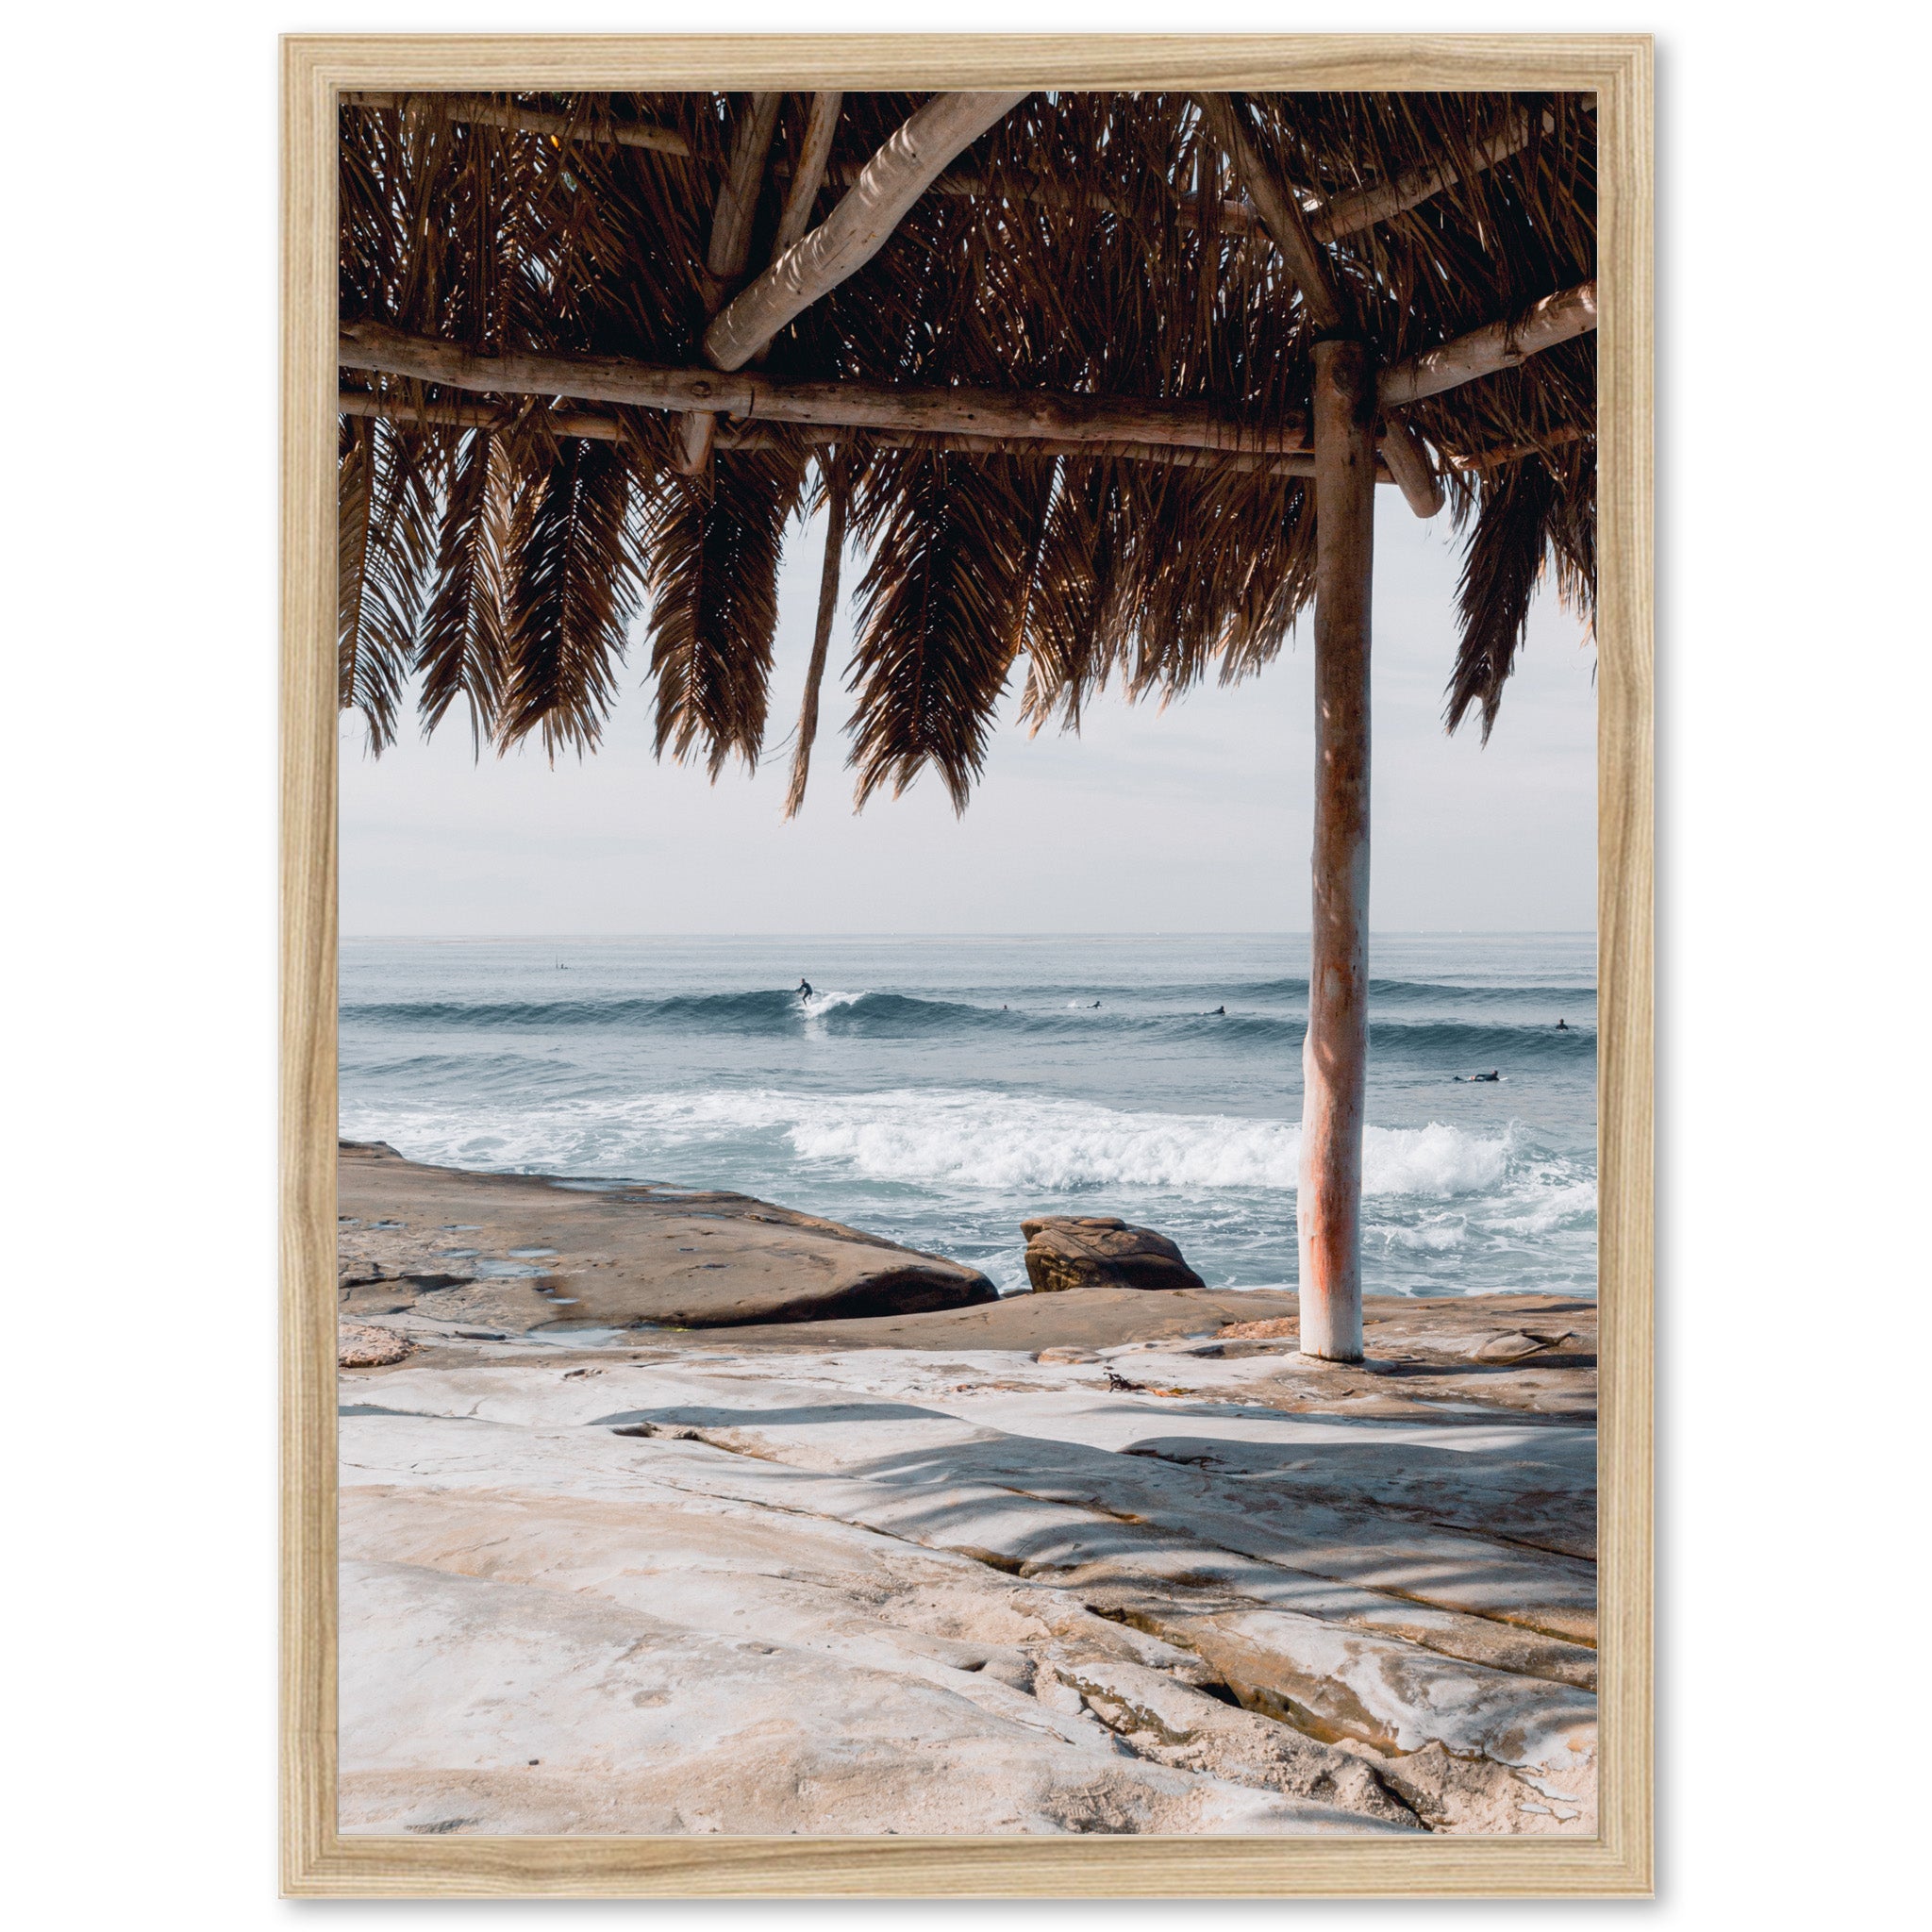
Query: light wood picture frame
(317, 1859)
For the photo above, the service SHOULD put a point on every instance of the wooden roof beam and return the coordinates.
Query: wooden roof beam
(559, 422)
(1281, 212)
(479, 112)
(859, 227)
(730, 245)
(597, 428)
(1516, 451)
(814, 152)
(1024, 415)
(1408, 461)
(1484, 351)
(1362, 207)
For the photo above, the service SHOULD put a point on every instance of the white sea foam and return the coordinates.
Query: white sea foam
(1435, 1234)
(1001, 1142)
(994, 1141)
(824, 998)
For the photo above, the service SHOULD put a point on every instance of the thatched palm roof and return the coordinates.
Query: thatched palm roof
(1093, 269)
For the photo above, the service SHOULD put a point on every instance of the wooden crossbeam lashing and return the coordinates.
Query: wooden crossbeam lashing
(859, 227)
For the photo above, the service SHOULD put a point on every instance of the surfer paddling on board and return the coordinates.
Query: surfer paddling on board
(1470, 1079)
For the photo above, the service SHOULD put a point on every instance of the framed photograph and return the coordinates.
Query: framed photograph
(966, 1113)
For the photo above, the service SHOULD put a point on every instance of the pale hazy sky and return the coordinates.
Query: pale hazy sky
(1194, 820)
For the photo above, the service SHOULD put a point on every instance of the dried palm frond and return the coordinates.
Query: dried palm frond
(575, 588)
(1499, 574)
(835, 487)
(386, 538)
(1079, 621)
(714, 601)
(464, 650)
(1099, 245)
(940, 608)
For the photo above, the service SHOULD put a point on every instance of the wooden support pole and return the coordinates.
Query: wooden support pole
(1334, 1055)
(859, 227)
(835, 493)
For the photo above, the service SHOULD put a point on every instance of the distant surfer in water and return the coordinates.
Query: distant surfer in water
(1097, 1003)
(1564, 1026)
(1470, 1079)
(805, 988)
(1219, 1013)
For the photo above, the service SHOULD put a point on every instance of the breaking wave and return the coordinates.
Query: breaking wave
(969, 1139)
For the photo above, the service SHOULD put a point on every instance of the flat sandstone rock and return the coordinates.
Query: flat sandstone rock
(1094, 1561)
(520, 1252)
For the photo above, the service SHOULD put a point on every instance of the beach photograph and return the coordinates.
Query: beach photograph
(967, 1007)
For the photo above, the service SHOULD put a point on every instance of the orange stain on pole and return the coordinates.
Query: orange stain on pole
(1334, 1055)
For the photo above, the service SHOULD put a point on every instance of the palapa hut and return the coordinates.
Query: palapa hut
(1104, 382)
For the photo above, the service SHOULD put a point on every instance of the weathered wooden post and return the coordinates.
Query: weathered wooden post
(1336, 1052)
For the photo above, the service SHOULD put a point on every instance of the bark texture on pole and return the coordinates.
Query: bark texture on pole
(1334, 1055)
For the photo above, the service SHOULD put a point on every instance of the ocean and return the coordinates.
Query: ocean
(936, 1090)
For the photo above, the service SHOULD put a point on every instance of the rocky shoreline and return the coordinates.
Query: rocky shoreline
(667, 1511)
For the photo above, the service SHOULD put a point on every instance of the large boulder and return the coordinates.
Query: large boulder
(520, 1252)
(1066, 1251)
